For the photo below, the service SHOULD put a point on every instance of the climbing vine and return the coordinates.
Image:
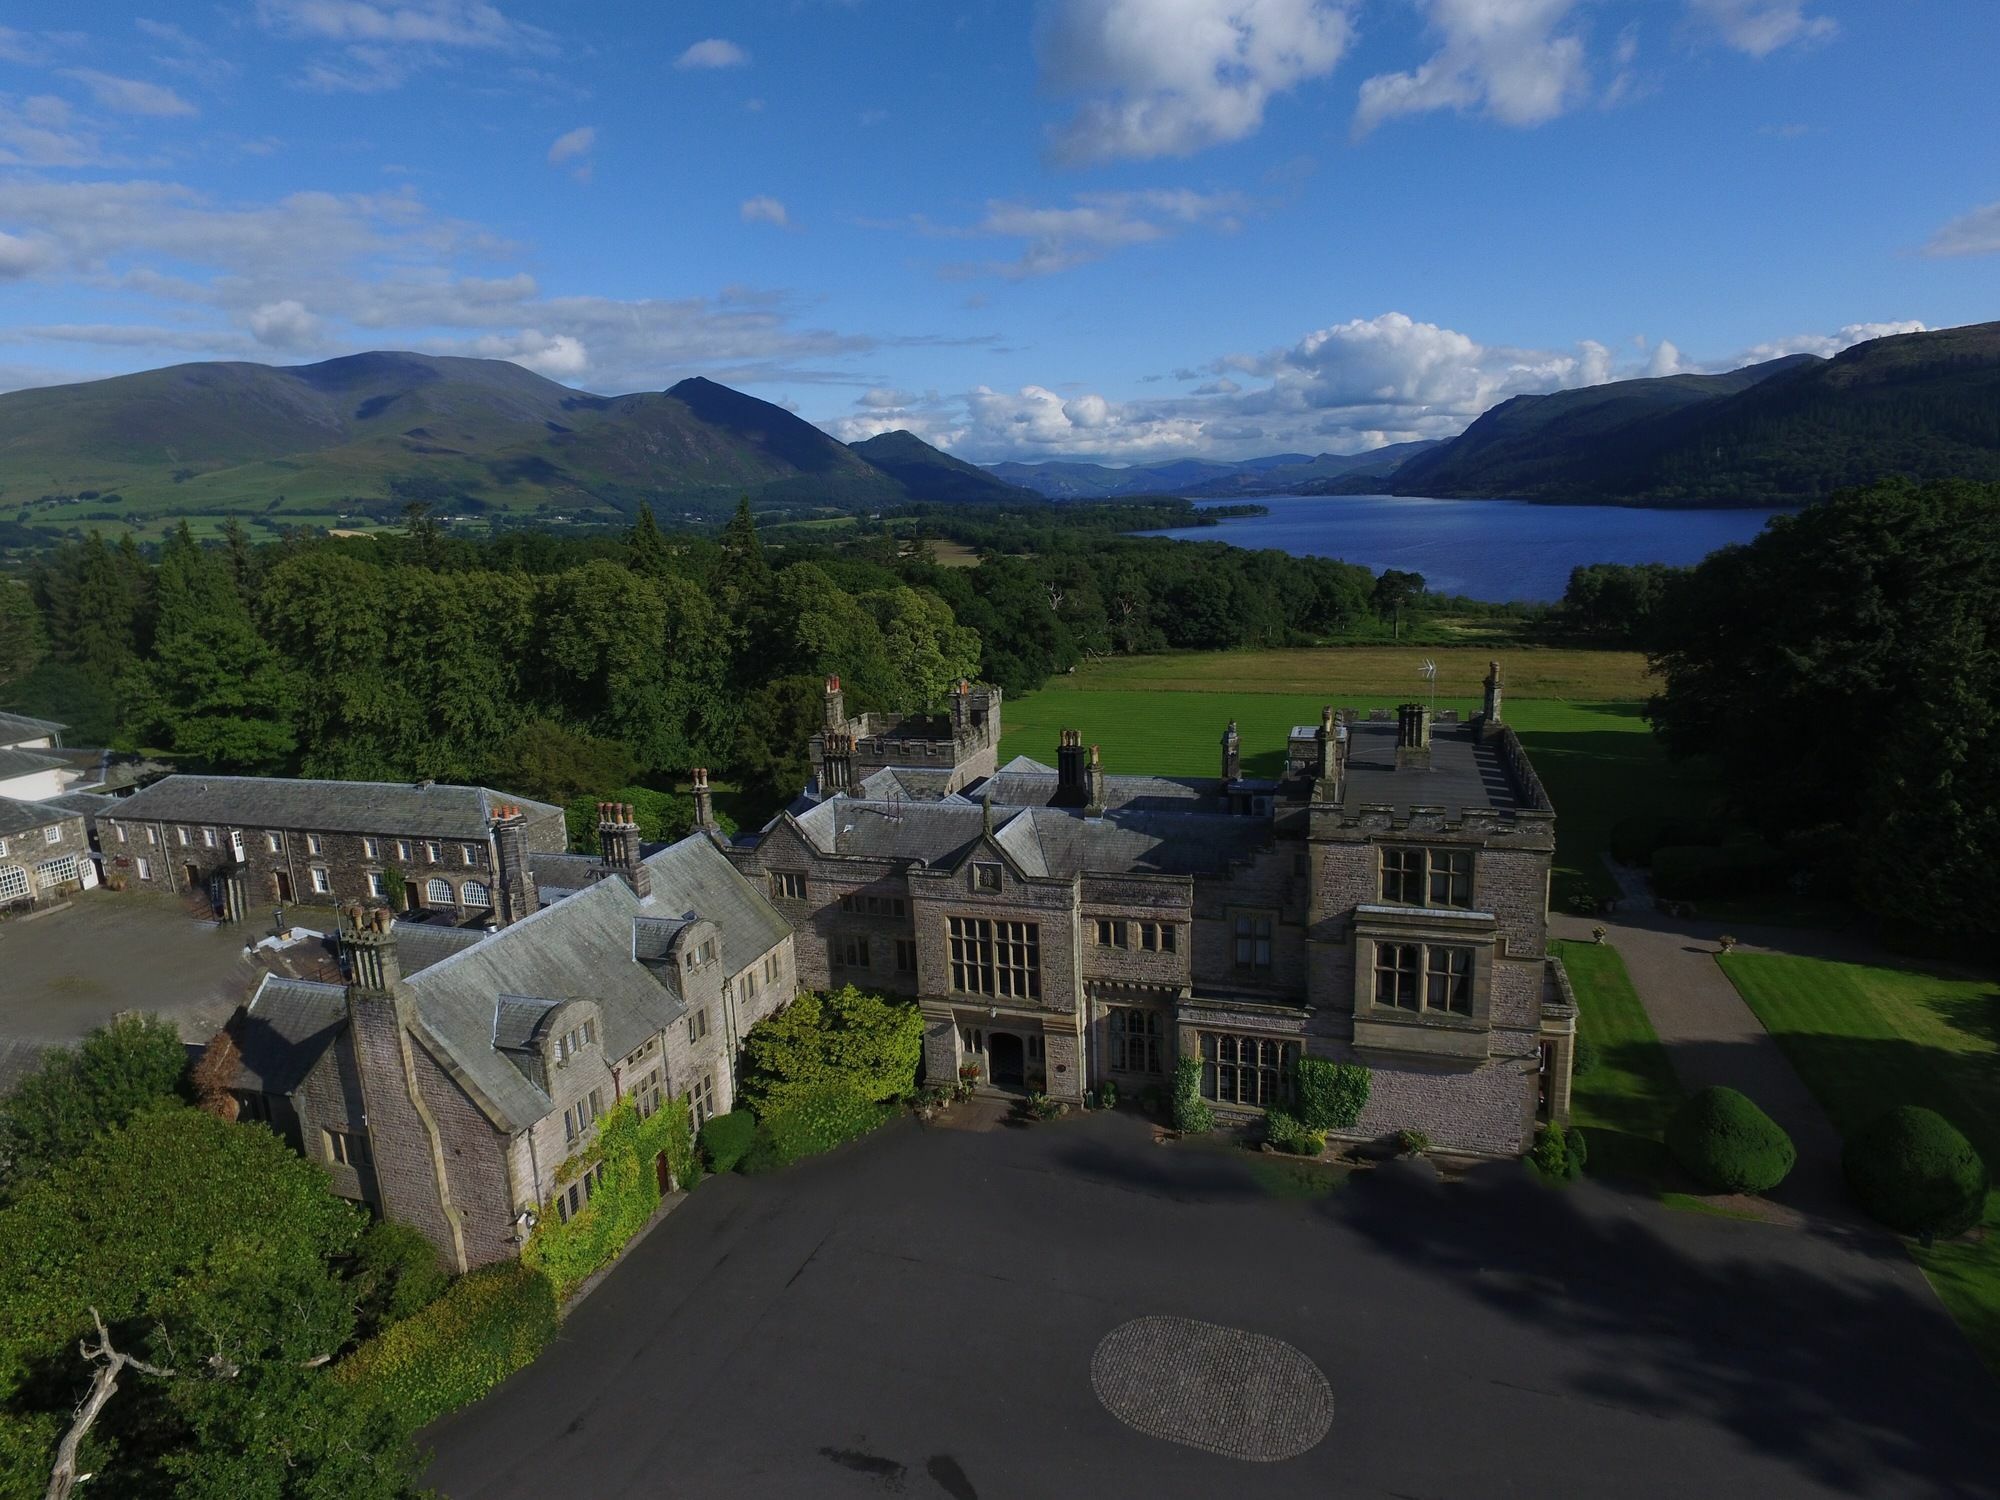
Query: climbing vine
(623, 1197)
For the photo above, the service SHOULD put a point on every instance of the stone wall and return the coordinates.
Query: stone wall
(28, 851)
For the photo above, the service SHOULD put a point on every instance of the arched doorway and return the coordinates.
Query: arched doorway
(1006, 1061)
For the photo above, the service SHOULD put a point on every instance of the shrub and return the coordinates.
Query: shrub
(1191, 1112)
(486, 1326)
(1416, 1143)
(1691, 871)
(1291, 1134)
(1558, 1154)
(1586, 1057)
(1040, 1106)
(1330, 1095)
(624, 1196)
(1107, 1095)
(396, 1274)
(1912, 1170)
(725, 1140)
(867, 1045)
(811, 1120)
(1729, 1145)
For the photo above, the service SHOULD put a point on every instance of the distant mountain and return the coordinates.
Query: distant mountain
(928, 473)
(366, 434)
(1924, 405)
(1275, 474)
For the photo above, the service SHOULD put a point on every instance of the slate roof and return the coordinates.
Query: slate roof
(1043, 841)
(435, 810)
(92, 805)
(911, 783)
(25, 817)
(518, 1021)
(560, 875)
(1037, 788)
(421, 944)
(582, 947)
(26, 762)
(1465, 771)
(14, 728)
(284, 1030)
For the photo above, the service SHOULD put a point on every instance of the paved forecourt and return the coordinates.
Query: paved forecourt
(963, 1315)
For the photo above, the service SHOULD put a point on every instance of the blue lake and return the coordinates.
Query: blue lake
(1484, 549)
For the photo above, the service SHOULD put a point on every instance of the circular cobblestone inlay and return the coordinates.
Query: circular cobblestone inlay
(1234, 1393)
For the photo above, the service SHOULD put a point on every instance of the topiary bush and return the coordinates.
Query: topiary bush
(1559, 1153)
(1329, 1095)
(487, 1325)
(1729, 1145)
(1289, 1133)
(1191, 1114)
(1912, 1170)
(811, 1120)
(726, 1139)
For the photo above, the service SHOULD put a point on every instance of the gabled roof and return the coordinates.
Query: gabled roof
(25, 817)
(27, 762)
(285, 1029)
(519, 1020)
(83, 804)
(14, 728)
(433, 809)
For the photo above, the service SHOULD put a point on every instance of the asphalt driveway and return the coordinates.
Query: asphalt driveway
(916, 1315)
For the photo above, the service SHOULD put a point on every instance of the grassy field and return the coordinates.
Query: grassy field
(1577, 712)
(1624, 1100)
(1867, 1039)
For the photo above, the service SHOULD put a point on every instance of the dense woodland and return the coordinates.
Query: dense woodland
(555, 667)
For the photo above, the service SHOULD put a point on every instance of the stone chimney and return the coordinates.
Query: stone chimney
(704, 803)
(1492, 709)
(836, 763)
(618, 846)
(1069, 769)
(1413, 737)
(1326, 745)
(961, 707)
(1232, 754)
(1094, 781)
(836, 705)
(514, 894)
(367, 937)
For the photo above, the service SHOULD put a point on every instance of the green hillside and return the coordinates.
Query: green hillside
(352, 441)
(929, 474)
(1922, 405)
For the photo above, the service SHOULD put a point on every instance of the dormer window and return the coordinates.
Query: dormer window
(572, 1042)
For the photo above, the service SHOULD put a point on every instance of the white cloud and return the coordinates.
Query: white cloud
(558, 356)
(286, 325)
(713, 53)
(1665, 360)
(573, 145)
(436, 23)
(762, 210)
(1091, 226)
(41, 131)
(130, 96)
(1975, 233)
(1172, 77)
(1511, 59)
(1761, 27)
(1826, 345)
(19, 256)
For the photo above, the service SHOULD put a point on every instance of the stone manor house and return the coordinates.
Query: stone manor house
(1383, 900)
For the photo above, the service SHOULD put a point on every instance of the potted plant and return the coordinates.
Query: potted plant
(1727, 942)
(1597, 933)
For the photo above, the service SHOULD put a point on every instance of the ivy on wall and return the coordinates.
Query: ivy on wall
(624, 1197)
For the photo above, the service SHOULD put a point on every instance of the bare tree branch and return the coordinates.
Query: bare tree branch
(103, 1385)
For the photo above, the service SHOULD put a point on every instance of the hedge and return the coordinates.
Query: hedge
(487, 1325)
(1728, 1144)
(1330, 1095)
(1191, 1114)
(1912, 1170)
(726, 1139)
(812, 1120)
(1687, 871)
(624, 1196)
(1288, 1133)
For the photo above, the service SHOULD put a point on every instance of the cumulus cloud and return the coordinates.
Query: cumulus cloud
(1826, 345)
(324, 273)
(1172, 77)
(572, 143)
(130, 96)
(1514, 60)
(713, 53)
(1761, 27)
(762, 210)
(1975, 233)
(1089, 227)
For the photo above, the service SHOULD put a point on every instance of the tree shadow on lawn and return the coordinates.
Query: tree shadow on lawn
(1800, 1345)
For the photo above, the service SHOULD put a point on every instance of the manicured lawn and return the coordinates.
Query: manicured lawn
(1165, 715)
(1623, 1101)
(1867, 1039)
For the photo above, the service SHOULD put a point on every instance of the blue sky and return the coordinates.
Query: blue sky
(1100, 229)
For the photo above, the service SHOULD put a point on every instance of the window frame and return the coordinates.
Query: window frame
(1267, 1068)
(1137, 1031)
(1256, 927)
(995, 958)
(1427, 877)
(788, 885)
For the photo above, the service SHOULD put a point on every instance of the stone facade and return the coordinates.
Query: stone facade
(44, 855)
(1386, 903)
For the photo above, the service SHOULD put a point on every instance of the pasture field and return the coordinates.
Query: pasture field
(1577, 712)
(1866, 1039)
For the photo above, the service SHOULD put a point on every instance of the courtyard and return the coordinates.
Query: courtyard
(69, 971)
(935, 1312)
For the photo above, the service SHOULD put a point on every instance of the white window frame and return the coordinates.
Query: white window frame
(468, 898)
(314, 844)
(144, 866)
(14, 884)
(375, 884)
(322, 880)
(431, 888)
(52, 834)
(371, 849)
